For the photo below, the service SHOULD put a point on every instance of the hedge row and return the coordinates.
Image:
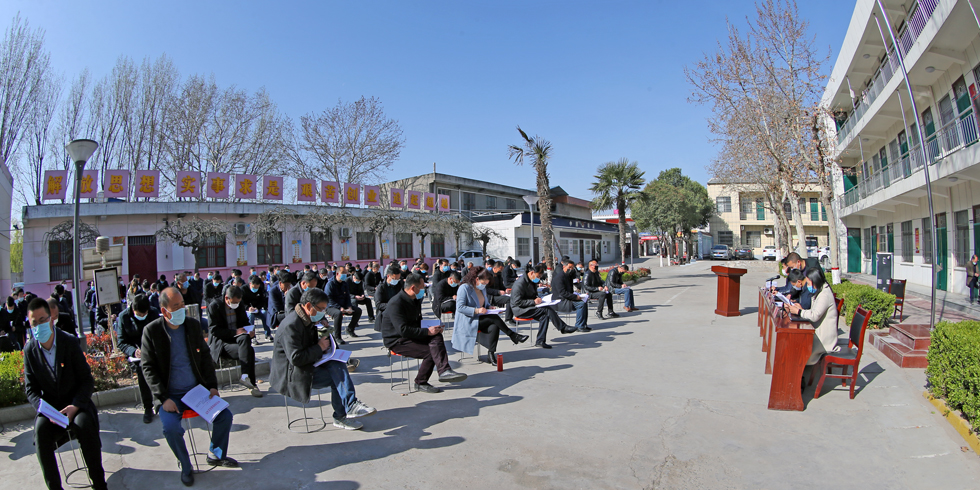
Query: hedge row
(12, 379)
(954, 367)
(880, 303)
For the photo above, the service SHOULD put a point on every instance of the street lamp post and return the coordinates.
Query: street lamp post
(80, 151)
(531, 200)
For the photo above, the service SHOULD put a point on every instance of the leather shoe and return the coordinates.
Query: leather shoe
(517, 338)
(613, 314)
(148, 417)
(350, 333)
(584, 329)
(569, 330)
(225, 462)
(543, 345)
(492, 358)
(187, 480)
(340, 341)
(598, 315)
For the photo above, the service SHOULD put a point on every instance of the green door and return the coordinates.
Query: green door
(942, 252)
(853, 250)
(976, 230)
(873, 244)
(891, 237)
(760, 210)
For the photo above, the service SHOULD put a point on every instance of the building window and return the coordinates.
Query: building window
(753, 239)
(814, 209)
(908, 249)
(269, 248)
(563, 245)
(926, 240)
(786, 207)
(524, 247)
(491, 202)
(724, 204)
(59, 260)
(726, 238)
(823, 213)
(438, 245)
(511, 204)
(574, 252)
(365, 246)
(212, 253)
(962, 237)
(745, 205)
(469, 201)
(868, 236)
(403, 245)
(882, 239)
(321, 247)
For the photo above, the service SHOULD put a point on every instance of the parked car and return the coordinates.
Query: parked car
(769, 252)
(824, 256)
(721, 252)
(744, 253)
(476, 256)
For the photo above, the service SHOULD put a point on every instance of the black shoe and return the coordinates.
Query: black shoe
(492, 358)
(543, 345)
(225, 462)
(569, 330)
(598, 315)
(148, 416)
(350, 333)
(427, 388)
(517, 338)
(370, 318)
(187, 480)
(584, 329)
(613, 314)
(340, 341)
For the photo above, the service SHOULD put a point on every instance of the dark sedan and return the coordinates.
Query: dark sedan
(744, 253)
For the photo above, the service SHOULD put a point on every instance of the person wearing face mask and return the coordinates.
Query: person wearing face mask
(255, 300)
(306, 281)
(174, 360)
(385, 292)
(439, 270)
(214, 289)
(372, 279)
(299, 347)
(340, 304)
(499, 294)
(55, 370)
(524, 300)
(64, 321)
(562, 289)
(444, 294)
(91, 304)
(598, 290)
(9, 328)
(355, 284)
(511, 272)
(228, 336)
(822, 314)
(473, 324)
(322, 278)
(154, 296)
(129, 334)
(402, 332)
(277, 298)
(795, 283)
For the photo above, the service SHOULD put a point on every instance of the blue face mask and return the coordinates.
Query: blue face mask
(394, 282)
(343, 277)
(454, 284)
(318, 316)
(42, 332)
(254, 290)
(139, 317)
(579, 269)
(405, 267)
(811, 289)
(186, 284)
(445, 268)
(10, 310)
(481, 287)
(796, 288)
(536, 280)
(420, 295)
(178, 317)
(18, 300)
(217, 283)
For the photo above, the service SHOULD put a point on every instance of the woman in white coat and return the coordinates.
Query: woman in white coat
(472, 323)
(822, 314)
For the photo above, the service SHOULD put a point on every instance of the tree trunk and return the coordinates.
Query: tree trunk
(794, 206)
(833, 241)
(620, 205)
(544, 210)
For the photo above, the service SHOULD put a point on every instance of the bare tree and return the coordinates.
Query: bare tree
(423, 225)
(538, 151)
(71, 121)
(144, 115)
(26, 72)
(65, 231)
(484, 235)
(459, 226)
(350, 142)
(378, 221)
(193, 233)
(38, 138)
(269, 225)
(317, 221)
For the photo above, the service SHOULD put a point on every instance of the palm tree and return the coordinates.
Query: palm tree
(618, 184)
(538, 151)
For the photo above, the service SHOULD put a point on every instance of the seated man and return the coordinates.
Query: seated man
(355, 284)
(229, 337)
(55, 370)
(524, 300)
(444, 294)
(213, 290)
(175, 359)
(129, 335)
(795, 280)
(439, 270)
(401, 329)
(579, 277)
(276, 310)
(513, 271)
(372, 279)
(499, 293)
(256, 300)
(322, 278)
(562, 289)
(386, 291)
(598, 290)
(293, 373)
(60, 319)
(614, 281)
(339, 304)
(306, 281)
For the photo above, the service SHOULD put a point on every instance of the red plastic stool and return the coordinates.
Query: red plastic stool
(186, 419)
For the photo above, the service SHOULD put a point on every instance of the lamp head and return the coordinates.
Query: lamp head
(81, 150)
(531, 199)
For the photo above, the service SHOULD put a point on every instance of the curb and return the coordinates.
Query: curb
(117, 396)
(959, 424)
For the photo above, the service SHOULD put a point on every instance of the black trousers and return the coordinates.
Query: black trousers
(605, 299)
(367, 306)
(48, 436)
(544, 316)
(337, 316)
(145, 394)
(432, 353)
(504, 301)
(242, 352)
(447, 306)
(488, 331)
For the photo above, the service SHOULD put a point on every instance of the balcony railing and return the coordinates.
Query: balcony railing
(916, 23)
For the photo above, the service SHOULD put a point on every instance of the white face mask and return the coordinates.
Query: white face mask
(234, 306)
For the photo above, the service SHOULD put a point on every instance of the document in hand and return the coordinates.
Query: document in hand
(248, 328)
(53, 415)
(548, 303)
(784, 299)
(494, 311)
(134, 359)
(431, 323)
(546, 298)
(198, 401)
(333, 354)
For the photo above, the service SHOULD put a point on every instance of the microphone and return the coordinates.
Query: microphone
(773, 278)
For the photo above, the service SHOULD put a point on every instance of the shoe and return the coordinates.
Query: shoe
(148, 416)
(351, 334)
(613, 314)
(492, 358)
(352, 364)
(224, 462)
(427, 388)
(340, 341)
(272, 338)
(187, 480)
(569, 330)
(254, 390)
(450, 376)
(598, 314)
(543, 345)
(517, 338)
(584, 329)
(347, 424)
(360, 410)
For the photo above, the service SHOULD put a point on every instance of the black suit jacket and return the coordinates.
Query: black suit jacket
(155, 362)
(277, 305)
(218, 331)
(402, 320)
(72, 383)
(522, 296)
(295, 351)
(382, 294)
(129, 330)
(441, 291)
(510, 275)
(66, 322)
(292, 297)
(561, 286)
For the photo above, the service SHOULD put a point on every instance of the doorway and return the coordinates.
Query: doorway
(142, 255)
(854, 250)
(942, 252)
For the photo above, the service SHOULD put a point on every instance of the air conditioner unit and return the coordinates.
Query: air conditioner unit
(345, 232)
(767, 231)
(241, 229)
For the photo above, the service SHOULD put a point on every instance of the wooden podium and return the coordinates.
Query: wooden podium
(728, 284)
(787, 341)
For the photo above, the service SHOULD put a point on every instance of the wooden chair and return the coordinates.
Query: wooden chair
(846, 358)
(897, 287)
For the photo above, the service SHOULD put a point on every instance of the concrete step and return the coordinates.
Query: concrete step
(898, 352)
(916, 336)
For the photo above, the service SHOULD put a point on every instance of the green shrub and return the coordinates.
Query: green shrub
(954, 367)
(881, 304)
(12, 379)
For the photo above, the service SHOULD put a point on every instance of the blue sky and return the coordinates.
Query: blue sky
(601, 80)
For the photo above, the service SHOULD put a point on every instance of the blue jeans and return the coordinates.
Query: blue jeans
(173, 431)
(581, 313)
(334, 374)
(627, 296)
(261, 316)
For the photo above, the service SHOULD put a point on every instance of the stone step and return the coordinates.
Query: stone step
(898, 352)
(915, 336)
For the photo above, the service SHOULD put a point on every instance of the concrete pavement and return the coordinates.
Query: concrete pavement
(670, 397)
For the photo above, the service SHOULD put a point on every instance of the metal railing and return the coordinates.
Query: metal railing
(915, 24)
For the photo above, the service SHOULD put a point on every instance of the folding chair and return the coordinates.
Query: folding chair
(850, 358)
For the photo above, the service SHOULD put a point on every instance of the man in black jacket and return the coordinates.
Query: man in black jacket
(322, 277)
(277, 297)
(444, 294)
(340, 304)
(175, 359)
(62, 320)
(293, 372)
(439, 270)
(255, 301)
(306, 281)
(614, 280)
(129, 334)
(91, 303)
(499, 293)
(355, 284)
(385, 292)
(562, 289)
(511, 273)
(597, 290)
(213, 289)
(229, 336)
(56, 372)
(372, 279)
(401, 329)
(524, 300)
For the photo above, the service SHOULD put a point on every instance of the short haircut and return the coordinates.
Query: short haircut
(453, 275)
(59, 289)
(53, 304)
(565, 261)
(216, 277)
(255, 280)
(168, 295)
(140, 303)
(286, 277)
(314, 296)
(309, 277)
(624, 267)
(795, 275)
(394, 271)
(491, 263)
(539, 269)
(793, 257)
(413, 280)
(233, 292)
(38, 304)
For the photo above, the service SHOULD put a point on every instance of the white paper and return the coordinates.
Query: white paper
(431, 323)
(333, 354)
(53, 415)
(771, 284)
(249, 328)
(494, 311)
(198, 401)
(584, 296)
(574, 281)
(546, 298)
(548, 303)
(134, 359)
(784, 299)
